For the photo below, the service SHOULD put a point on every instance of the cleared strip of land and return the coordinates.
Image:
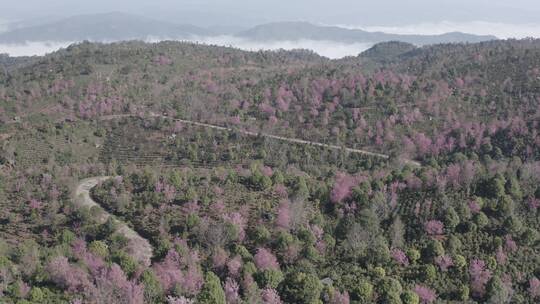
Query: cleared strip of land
(275, 137)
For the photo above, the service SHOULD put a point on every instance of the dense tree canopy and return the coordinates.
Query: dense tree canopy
(194, 140)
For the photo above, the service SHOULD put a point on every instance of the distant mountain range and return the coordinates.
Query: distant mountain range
(304, 30)
(120, 26)
(102, 27)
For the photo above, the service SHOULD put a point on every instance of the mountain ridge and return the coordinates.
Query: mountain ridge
(117, 26)
(302, 30)
(102, 27)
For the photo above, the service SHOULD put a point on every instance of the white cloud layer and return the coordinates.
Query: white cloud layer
(497, 29)
(32, 48)
(328, 49)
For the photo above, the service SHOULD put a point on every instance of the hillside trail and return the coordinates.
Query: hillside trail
(139, 248)
(270, 136)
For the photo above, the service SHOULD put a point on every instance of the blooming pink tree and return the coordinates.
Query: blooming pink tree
(72, 278)
(509, 244)
(234, 265)
(193, 280)
(179, 300)
(474, 207)
(35, 204)
(501, 256)
(113, 286)
(283, 219)
(281, 190)
(425, 294)
(239, 221)
(342, 187)
(264, 259)
(533, 203)
(219, 258)
(339, 298)
(267, 171)
(24, 289)
(169, 193)
(231, 291)
(270, 296)
(479, 277)
(400, 257)
(162, 60)
(423, 144)
(434, 227)
(534, 288)
(444, 262)
(94, 263)
(168, 271)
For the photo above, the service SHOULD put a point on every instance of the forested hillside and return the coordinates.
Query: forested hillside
(403, 175)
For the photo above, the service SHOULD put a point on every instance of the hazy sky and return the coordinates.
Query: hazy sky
(249, 12)
(501, 18)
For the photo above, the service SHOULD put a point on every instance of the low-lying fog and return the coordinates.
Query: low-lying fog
(328, 49)
(498, 29)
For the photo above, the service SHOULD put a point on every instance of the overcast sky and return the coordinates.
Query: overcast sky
(500, 18)
(249, 12)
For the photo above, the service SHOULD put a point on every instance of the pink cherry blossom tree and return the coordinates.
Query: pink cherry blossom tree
(479, 277)
(425, 294)
(264, 259)
(270, 296)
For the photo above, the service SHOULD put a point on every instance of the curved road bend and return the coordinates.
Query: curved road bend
(139, 249)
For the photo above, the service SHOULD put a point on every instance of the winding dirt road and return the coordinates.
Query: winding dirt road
(139, 248)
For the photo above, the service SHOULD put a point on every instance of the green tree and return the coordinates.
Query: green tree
(529, 236)
(212, 292)
(364, 290)
(300, 287)
(99, 248)
(459, 261)
(513, 188)
(430, 273)
(391, 290)
(463, 293)
(37, 295)
(481, 220)
(513, 224)
(451, 218)
(153, 292)
(413, 255)
(126, 262)
(269, 278)
(261, 234)
(301, 189)
(434, 249)
(379, 253)
(410, 297)
(497, 291)
(495, 187)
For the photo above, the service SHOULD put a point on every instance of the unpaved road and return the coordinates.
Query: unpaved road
(275, 137)
(139, 248)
